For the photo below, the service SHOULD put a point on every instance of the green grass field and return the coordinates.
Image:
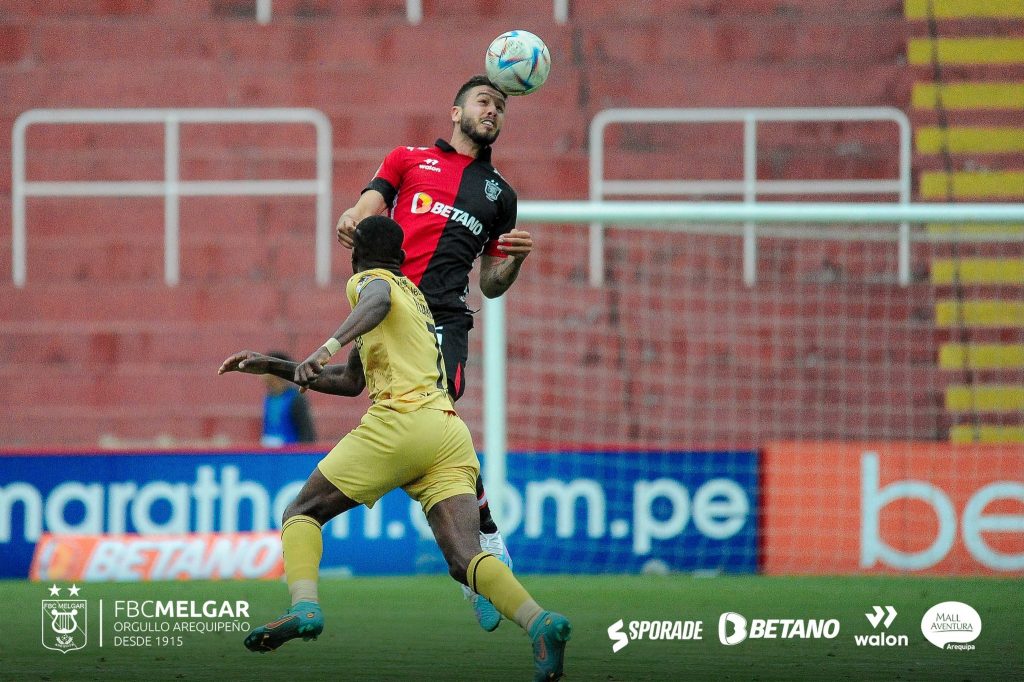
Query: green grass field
(419, 629)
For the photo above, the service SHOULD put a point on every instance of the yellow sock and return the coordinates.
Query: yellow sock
(303, 544)
(489, 577)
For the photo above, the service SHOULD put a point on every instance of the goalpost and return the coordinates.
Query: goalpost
(859, 407)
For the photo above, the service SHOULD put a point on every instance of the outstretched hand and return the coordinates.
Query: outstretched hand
(245, 361)
(310, 369)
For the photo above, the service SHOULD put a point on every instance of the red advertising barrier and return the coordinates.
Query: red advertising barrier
(131, 557)
(840, 508)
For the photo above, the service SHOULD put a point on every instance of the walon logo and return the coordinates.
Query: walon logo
(884, 618)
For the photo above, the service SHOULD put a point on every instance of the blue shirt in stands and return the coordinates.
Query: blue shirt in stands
(283, 417)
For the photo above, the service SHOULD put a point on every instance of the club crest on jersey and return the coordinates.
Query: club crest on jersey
(492, 189)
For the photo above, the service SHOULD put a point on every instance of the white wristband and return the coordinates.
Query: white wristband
(332, 345)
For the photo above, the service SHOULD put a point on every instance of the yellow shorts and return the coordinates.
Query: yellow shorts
(428, 453)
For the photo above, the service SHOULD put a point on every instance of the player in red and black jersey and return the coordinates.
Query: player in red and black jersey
(454, 207)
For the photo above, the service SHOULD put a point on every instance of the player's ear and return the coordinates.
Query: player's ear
(456, 113)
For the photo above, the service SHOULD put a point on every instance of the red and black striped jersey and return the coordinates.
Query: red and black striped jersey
(452, 208)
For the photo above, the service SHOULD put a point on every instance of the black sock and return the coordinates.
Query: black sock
(487, 524)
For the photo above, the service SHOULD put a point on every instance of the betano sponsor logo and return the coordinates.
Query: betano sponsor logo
(875, 497)
(654, 630)
(734, 628)
(913, 516)
(424, 203)
(129, 557)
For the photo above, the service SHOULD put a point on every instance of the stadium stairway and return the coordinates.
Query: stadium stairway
(968, 106)
(116, 356)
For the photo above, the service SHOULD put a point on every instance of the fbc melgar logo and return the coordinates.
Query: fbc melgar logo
(653, 630)
(64, 620)
(951, 625)
(734, 628)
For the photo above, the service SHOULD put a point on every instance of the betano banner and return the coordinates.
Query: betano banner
(893, 508)
(134, 558)
(585, 512)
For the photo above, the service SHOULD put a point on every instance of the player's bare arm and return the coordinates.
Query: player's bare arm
(371, 202)
(371, 309)
(498, 274)
(346, 380)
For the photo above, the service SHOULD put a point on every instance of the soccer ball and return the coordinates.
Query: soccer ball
(518, 62)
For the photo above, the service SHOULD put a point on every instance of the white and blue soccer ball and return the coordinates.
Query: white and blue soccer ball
(518, 62)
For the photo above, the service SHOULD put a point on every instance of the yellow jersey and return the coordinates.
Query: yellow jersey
(401, 358)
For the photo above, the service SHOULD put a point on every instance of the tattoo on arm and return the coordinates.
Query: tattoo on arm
(497, 275)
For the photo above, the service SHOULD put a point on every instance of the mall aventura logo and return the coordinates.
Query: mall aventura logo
(951, 625)
(64, 621)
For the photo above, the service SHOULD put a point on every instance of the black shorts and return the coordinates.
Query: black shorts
(453, 334)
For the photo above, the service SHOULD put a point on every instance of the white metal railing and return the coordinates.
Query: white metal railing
(702, 217)
(561, 11)
(172, 188)
(750, 187)
(413, 11)
(264, 11)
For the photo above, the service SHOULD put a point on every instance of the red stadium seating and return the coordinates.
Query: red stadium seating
(97, 346)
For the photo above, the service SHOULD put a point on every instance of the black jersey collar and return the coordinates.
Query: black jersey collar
(484, 155)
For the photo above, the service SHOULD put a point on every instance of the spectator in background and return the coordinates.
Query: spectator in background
(286, 416)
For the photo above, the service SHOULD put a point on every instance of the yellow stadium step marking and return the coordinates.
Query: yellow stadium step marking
(971, 185)
(966, 50)
(986, 434)
(985, 398)
(974, 229)
(979, 313)
(966, 139)
(978, 271)
(970, 95)
(981, 356)
(953, 9)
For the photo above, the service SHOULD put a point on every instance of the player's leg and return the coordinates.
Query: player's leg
(358, 470)
(447, 492)
(454, 523)
(318, 502)
(453, 336)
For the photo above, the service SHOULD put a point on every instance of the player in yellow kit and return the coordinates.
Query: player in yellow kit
(409, 438)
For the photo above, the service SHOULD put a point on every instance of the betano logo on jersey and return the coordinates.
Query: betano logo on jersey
(424, 203)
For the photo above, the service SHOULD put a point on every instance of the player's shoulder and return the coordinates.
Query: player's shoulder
(407, 151)
(497, 178)
(358, 281)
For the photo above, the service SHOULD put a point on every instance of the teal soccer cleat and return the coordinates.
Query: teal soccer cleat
(549, 635)
(486, 615)
(303, 620)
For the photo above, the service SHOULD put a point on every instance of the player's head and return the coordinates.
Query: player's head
(478, 111)
(377, 243)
